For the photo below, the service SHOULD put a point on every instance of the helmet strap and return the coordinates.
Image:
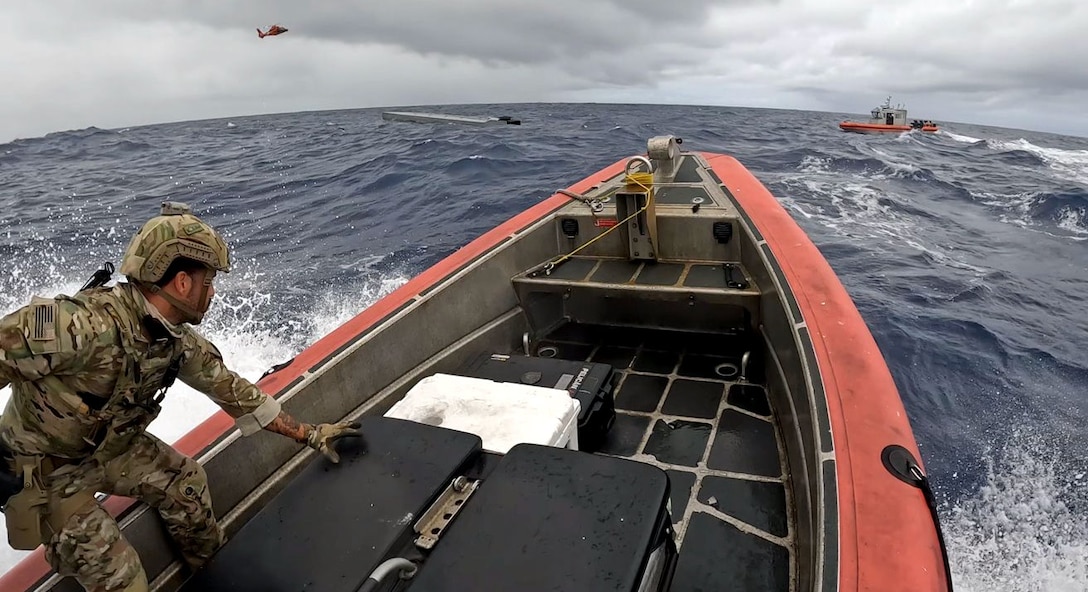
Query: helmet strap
(189, 314)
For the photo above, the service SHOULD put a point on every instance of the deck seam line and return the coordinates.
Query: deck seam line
(745, 527)
(666, 416)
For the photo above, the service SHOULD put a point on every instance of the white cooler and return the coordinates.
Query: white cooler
(501, 413)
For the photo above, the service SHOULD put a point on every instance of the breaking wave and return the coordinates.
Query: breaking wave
(1026, 528)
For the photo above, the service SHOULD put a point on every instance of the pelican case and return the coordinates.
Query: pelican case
(589, 382)
(551, 519)
(333, 525)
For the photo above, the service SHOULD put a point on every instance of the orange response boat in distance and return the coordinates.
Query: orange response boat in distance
(650, 381)
(886, 118)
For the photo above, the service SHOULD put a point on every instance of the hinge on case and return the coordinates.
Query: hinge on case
(435, 520)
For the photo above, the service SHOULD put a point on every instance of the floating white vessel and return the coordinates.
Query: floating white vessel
(444, 118)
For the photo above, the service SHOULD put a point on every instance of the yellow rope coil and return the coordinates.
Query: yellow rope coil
(639, 180)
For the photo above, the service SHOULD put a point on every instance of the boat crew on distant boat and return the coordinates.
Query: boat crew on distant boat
(885, 118)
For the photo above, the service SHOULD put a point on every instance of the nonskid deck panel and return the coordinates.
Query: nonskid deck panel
(714, 437)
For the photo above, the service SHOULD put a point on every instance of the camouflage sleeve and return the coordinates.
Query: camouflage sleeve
(204, 370)
(47, 337)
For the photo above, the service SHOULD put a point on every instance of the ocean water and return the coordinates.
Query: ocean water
(966, 252)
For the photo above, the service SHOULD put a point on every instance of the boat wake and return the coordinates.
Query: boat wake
(1026, 529)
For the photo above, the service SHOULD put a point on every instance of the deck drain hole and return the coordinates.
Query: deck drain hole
(547, 352)
(727, 370)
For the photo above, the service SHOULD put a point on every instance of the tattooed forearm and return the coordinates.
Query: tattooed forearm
(289, 426)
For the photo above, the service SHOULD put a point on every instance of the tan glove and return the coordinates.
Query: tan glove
(323, 437)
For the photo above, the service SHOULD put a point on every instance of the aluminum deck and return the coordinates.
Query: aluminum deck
(716, 439)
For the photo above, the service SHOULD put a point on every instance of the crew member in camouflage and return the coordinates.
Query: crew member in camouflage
(87, 374)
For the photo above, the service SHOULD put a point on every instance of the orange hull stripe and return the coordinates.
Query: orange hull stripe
(887, 541)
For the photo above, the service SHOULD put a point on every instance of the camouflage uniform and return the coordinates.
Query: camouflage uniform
(87, 373)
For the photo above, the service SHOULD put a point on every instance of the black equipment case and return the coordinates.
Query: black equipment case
(542, 519)
(590, 382)
(333, 524)
(556, 519)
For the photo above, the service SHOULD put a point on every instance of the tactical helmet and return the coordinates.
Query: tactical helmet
(174, 233)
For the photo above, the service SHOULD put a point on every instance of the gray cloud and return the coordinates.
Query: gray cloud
(124, 62)
(487, 30)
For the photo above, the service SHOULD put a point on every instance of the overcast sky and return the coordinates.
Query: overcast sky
(68, 64)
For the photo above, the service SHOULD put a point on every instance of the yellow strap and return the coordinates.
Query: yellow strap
(633, 182)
